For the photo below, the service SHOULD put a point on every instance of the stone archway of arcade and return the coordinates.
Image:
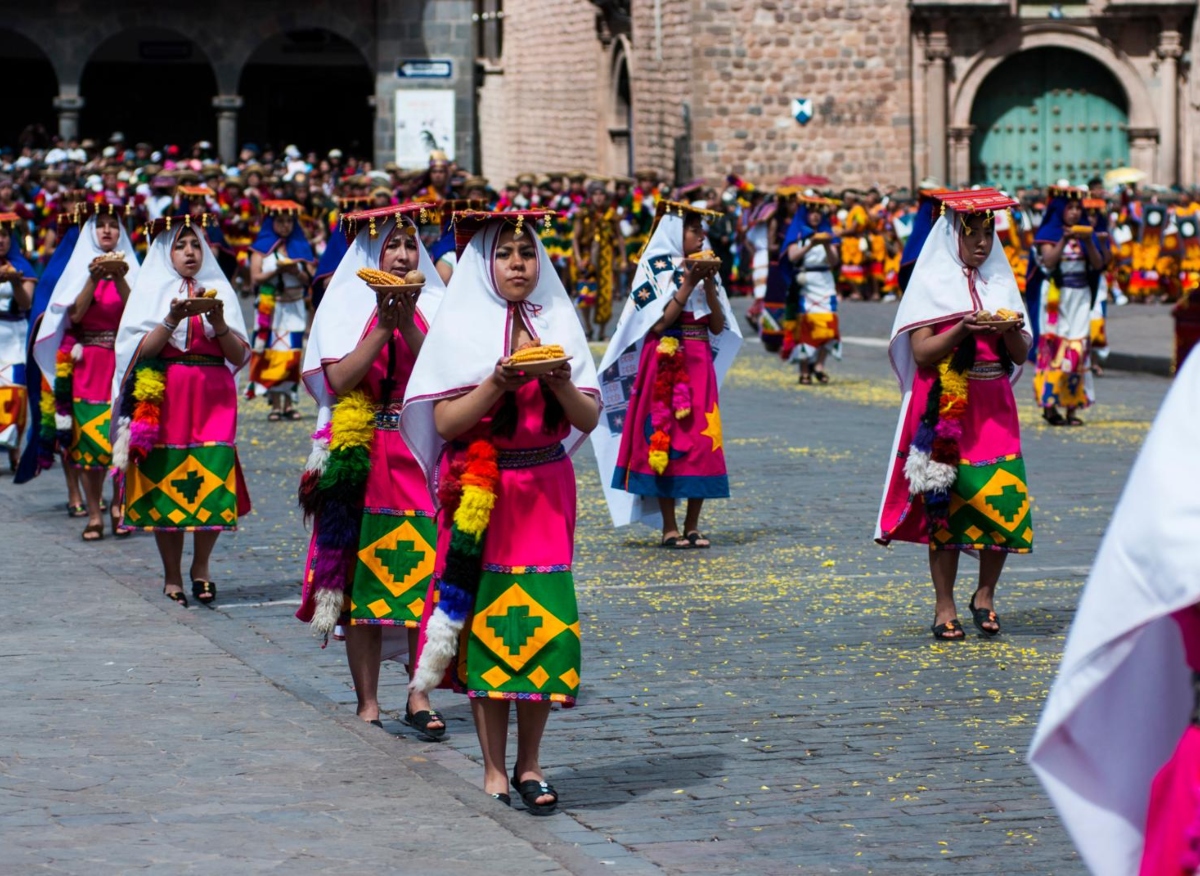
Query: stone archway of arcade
(32, 85)
(282, 77)
(149, 83)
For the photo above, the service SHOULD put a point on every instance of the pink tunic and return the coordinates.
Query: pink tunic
(696, 465)
(991, 471)
(92, 378)
(200, 402)
(523, 641)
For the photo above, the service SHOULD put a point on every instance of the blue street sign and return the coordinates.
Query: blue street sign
(423, 68)
(802, 109)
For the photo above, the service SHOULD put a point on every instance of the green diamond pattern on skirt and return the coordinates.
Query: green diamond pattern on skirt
(395, 562)
(989, 509)
(524, 641)
(90, 447)
(183, 488)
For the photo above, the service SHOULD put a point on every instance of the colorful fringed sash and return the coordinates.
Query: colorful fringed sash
(672, 399)
(139, 419)
(64, 380)
(332, 491)
(468, 495)
(933, 457)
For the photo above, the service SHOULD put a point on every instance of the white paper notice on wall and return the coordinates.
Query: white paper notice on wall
(424, 122)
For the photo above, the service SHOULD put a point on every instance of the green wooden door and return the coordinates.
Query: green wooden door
(1045, 115)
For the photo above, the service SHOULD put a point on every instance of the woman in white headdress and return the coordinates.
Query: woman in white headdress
(497, 441)
(661, 375)
(76, 342)
(1118, 744)
(182, 339)
(956, 476)
(370, 560)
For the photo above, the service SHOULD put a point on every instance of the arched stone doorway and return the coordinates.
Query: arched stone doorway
(620, 126)
(1047, 114)
(29, 98)
(150, 84)
(308, 87)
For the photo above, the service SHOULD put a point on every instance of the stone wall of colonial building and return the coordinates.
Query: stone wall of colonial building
(539, 101)
(899, 88)
(752, 58)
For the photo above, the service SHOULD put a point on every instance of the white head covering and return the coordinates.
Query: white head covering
(349, 306)
(70, 283)
(150, 301)
(940, 290)
(652, 291)
(1123, 692)
(471, 332)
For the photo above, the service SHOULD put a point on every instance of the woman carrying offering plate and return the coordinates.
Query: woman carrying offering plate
(76, 343)
(496, 440)
(180, 343)
(811, 258)
(1070, 261)
(374, 538)
(281, 267)
(956, 476)
(661, 374)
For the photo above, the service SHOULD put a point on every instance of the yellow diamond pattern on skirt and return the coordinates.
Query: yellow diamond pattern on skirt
(89, 445)
(516, 626)
(524, 637)
(989, 508)
(183, 488)
(395, 562)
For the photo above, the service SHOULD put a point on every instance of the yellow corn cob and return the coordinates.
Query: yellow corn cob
(379, 278)
(537, 354)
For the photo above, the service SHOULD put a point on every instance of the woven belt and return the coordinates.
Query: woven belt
(104, 339)
(694, 332)
(196, 359)
(530, 458)
(986, 371)
(388, 419)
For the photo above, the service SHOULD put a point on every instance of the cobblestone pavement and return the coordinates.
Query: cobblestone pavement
(773, 705)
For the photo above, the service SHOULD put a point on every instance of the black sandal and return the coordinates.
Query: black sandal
(204, 591)
(985, 615)
(1074, 421)
(75, 511)
(531, 789)
(942, 632)
(695, 537)
(96, 530)
(821, 376)
(677, 542)
(291, 414)
(502, 797)
(1053, 417)
(176, 597)
(421, 720)
(115, 518)
(274, 417)
(805, 379)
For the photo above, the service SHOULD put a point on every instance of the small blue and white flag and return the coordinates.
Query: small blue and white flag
(802, 109)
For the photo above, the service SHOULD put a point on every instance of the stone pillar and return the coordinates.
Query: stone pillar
(1143, 150)
(937, 53)
(68, 107)
(1169, 51)
(227, 107)
(960, 156)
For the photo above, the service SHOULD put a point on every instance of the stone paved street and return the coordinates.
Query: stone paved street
(774, 705)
